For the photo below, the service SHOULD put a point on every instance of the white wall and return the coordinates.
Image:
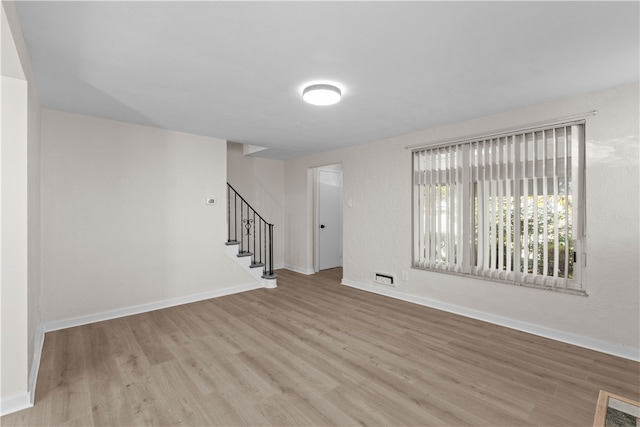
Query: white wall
(261, 183)
(124, 219)
(20, 230)
(14, 237)
(377, 226)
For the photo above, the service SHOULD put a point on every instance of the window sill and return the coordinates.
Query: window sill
(570, 291)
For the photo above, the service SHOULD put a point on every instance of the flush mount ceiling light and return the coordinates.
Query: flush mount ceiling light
(321, 94)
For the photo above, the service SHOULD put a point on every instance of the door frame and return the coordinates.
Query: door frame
(336, 168)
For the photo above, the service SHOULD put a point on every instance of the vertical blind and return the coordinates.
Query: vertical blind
(505, 207)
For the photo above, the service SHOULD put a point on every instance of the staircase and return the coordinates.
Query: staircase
(250, 239)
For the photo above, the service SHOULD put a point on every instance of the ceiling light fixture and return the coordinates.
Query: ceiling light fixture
(321, 94)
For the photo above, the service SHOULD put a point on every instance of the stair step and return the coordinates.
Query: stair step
(256, 265)
(232, 242)
(243, 254)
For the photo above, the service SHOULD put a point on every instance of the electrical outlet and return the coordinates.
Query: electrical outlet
(210, 201)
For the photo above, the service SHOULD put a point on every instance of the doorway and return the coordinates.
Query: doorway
(328, 223)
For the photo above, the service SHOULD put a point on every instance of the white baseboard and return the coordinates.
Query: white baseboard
(143, 308)
(38, 342)
(306, 271)
(15, 403)
(565, 337)
(26, 400)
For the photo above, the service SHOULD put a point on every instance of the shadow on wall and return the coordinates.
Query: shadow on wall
(613, 153)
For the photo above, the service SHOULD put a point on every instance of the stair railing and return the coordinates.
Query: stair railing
(251, 231)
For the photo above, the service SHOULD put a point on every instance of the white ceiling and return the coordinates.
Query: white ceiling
(235, 70)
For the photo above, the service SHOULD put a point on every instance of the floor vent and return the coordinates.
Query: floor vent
(385, 279)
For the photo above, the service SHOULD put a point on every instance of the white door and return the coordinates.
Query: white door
(329, 219)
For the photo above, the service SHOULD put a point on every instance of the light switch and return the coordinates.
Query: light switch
(210, 201)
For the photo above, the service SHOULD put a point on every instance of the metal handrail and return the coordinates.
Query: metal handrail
(247, 203)
(256, 237)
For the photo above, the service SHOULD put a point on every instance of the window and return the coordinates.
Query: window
(506, 207)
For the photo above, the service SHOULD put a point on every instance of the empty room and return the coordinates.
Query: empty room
(220, 213)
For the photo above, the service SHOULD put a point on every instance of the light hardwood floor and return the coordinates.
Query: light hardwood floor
(314, 352)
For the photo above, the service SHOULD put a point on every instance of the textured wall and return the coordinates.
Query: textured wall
(14, 271)
(377, 222)
(124, 219)
(20, 213)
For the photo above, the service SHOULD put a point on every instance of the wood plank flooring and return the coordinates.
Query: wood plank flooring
(315, 353)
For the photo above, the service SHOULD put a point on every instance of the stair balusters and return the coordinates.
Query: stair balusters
(247, 228)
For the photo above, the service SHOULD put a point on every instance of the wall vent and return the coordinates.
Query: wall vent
(385, 279)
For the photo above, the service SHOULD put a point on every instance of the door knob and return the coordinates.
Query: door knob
(322, 226)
